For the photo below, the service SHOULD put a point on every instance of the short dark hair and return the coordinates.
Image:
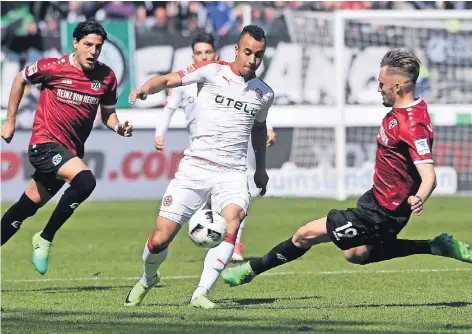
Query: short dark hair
(204, 38)
(254, 31)
(89, 27)
(403, 62)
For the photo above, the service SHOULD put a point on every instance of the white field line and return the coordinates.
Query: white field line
(288, 273)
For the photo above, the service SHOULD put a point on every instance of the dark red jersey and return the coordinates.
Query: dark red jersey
(69, 100)
(405, 139)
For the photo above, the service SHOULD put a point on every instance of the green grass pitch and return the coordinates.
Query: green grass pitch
(96, 258)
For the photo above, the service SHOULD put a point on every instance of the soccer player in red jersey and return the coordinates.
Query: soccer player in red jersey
(403, 181)
(72, 89)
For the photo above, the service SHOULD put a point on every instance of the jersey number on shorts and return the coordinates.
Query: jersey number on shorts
(345, 231)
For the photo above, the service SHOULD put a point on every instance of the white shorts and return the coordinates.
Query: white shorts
(198, 180)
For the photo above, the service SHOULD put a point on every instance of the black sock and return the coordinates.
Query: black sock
(79, 190)
(15, 215)
(282, 253)
(391, 249)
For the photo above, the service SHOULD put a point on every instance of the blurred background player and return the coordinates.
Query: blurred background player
(403, 181)
(232, 104)
(73, 87)
(185, 97)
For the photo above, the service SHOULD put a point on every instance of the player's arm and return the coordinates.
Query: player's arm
(108, 111)
(174, 99)
(259, 144)
(418, 137)
(428, 181)
(259, 140)
(271, 135)
(195, 73)
(35, 73)
(110, 119)
(16, 94)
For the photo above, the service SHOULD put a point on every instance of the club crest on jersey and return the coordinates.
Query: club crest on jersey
(167, 201)
(422, 146)
(95, 85)
(392, 123)
(259, 93)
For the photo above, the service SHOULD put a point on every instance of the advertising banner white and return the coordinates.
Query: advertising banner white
(125, 168)
(130, 168)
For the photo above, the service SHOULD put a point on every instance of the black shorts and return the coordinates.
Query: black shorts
(367, 224)
(47, 158)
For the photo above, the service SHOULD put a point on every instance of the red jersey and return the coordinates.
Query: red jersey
(405, 139)
(69, 100)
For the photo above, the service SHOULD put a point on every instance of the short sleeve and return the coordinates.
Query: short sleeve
(110, 97)
(419, 139)
(174, 98)
(41, 71)
(196, 73)
(262, 114)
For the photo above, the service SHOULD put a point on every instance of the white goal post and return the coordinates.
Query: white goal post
(342, 36)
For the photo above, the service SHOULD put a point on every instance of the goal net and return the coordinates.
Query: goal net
(350, 46)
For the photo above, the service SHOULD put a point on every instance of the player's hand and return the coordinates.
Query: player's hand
(125, 129)
(261, 179)
(416, 204)
(271, 137)
(8, 130)
(138, 93)
(159, 143)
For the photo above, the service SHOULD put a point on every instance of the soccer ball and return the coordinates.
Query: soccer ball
(207, 229)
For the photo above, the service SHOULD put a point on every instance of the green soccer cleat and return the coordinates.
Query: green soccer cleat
(41, 249)
(446, 245)
(238, 275)
(202, 301)
(136, 295)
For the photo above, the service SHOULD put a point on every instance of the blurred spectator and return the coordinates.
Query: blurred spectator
(120, 10)
(221, 16)
(75, 12)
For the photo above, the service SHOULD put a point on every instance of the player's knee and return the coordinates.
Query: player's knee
(158, 242)
(303, 238)
(84, 183)
(357, 255)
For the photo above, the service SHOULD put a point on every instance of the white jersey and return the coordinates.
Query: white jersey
(227, 107)
(184, 97)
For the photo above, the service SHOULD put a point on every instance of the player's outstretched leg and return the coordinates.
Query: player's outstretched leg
(446, 245)
(154, 254)
(15, 215)
(79, 190)
(238, 247)
(311, 234)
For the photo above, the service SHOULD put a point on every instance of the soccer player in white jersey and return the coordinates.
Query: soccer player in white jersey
(185, 97)
(232, 104)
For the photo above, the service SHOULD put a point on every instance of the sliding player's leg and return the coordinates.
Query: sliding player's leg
(291, 249)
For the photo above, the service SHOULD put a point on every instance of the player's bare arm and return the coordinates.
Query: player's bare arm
(110, 119)
(155, 85)
(16, 94)
(271, 137)
(428, 183)
(259, 143)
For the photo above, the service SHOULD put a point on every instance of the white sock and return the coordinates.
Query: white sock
(215, 261)
(151, 264)
(240, 231)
